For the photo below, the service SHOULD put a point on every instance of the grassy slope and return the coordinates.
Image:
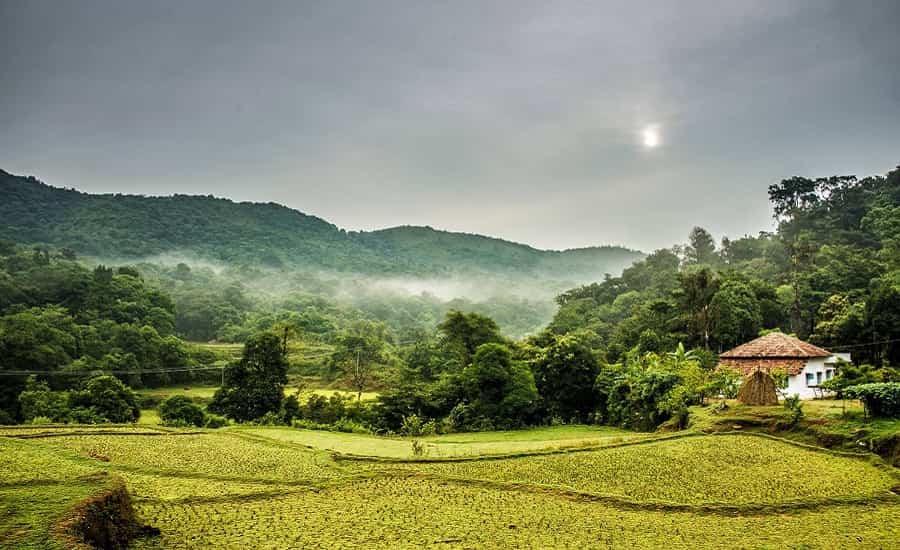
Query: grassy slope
(37, 488)
(826, 422)
(231, 489)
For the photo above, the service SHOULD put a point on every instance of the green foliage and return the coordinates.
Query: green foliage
(107, 398)
(180, 410)
(37, 400)
(462, 334)
(564, 375)
(794, 406)
(498, 388)
(882, 400)
(255, 385)
(214, 421)
(828, 274)
(270, 235)
(359, 350)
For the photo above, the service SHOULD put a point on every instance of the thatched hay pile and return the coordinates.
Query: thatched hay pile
(758, 388)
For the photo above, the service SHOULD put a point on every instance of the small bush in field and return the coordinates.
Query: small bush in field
(179, 410)
(214, 421)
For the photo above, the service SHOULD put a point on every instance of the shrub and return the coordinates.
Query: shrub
(795, 406)
(411, 425)
(418, 448)
(429, 428)
(109, 398)
(214, 421)
(290, 409)
(881, 400)
(271, 418)
(38, 401)
(179, 410)
(41, 421)
(85, 415)
(351, 426)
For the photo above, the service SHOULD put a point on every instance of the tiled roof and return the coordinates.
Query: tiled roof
(775, 344)
(747, 365)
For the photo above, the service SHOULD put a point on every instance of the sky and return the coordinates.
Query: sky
(556, 124)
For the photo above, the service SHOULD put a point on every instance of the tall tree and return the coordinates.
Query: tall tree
(255, 385)
(359, 350)
(564, 374)
(695, 295)
(462, 333)
(701, 248)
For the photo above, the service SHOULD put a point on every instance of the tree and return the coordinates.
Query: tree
(498, 388)
(883, 320)
(462, 333)
(695, 293)
(702, 248)
(37, 400)
(564, 374)
(108, 398)
(255, 385)
(359, 350)
(736, 316)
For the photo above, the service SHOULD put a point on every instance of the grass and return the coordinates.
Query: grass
(826, 422)
(453, 445)
(733, 470)
(263, 488)
(36, 489)
(417, 513)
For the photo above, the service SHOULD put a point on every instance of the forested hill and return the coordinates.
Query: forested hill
(134, 227)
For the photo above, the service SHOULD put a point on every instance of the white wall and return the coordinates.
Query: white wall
(818, 367)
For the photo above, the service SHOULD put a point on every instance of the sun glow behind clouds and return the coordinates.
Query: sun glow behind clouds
(650, 136)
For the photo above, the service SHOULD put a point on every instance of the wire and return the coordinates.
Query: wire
(865, 345)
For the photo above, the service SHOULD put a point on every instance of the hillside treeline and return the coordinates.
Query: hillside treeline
(830, 273)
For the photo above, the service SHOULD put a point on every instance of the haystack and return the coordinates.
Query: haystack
(758, 388)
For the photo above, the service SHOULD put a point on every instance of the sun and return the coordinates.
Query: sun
(650, 137)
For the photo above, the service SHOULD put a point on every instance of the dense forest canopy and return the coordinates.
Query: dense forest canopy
(633, 350)
(829, 273)
(130, 227)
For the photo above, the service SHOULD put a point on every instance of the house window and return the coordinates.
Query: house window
(829, 374)
(810, 379)
(818, 378)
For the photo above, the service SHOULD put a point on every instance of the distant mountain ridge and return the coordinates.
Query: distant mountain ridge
(136, 227)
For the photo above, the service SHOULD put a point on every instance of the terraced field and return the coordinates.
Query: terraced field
(266, 488)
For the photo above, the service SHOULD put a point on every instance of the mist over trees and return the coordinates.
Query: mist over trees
(633, 350)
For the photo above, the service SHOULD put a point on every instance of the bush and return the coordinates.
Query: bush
(345, 425)
(38, 401)
(351, 426)
(85, 415)
(795, 406)
(881, 400)
(271, 418)
(179, 410)
(41, 421)
(214, 421)
(412, 425)
(109, 398)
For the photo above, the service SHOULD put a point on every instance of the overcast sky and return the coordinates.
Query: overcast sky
(523, 120)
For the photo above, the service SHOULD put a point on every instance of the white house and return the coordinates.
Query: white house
(807, 365)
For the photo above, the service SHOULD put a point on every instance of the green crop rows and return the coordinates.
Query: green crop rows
(242, 489)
